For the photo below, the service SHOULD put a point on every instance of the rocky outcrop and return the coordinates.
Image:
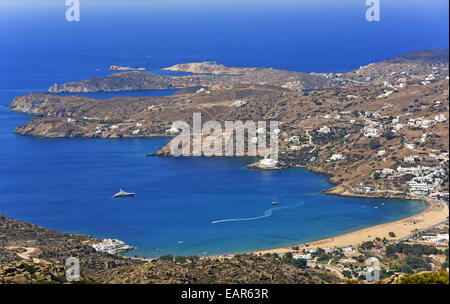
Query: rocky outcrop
(32, 244)
(31, 103)
(210, 76)
(440, 56)
(208, 68)
(120, 68)
(55, 128)
(126, 81)
(31, 273)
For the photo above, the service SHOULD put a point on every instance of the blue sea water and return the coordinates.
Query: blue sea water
(66, 184)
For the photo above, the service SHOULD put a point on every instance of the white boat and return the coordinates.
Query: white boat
(275, 202)
(122, 193)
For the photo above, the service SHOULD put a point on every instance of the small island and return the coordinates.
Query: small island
(120, 68)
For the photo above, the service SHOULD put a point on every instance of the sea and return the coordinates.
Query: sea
(184, 206)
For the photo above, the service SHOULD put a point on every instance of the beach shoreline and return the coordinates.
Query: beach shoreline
(435, 214)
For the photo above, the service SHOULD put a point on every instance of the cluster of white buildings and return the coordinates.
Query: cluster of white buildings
(426, 180)
(112, 246)
(426, 123)
(418, 122)
(436, 239)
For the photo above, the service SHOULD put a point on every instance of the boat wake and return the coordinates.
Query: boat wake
(267, 213)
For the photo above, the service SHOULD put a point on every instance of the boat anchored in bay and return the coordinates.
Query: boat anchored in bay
(274, 202)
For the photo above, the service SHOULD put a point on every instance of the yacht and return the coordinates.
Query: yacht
(122, 193)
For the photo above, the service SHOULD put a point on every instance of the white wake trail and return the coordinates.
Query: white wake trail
(267, 213)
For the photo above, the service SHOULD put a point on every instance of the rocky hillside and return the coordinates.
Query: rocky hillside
(25, 241)
(33, 254)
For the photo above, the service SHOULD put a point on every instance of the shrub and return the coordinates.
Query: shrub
(167, 257)
(193, 258)
(374, 143)
(440, 277)
(180, 259)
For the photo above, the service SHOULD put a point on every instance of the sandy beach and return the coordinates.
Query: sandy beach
(435, 213)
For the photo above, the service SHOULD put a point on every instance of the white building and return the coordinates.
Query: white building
(409, 159)
(294, 139)
(397, 127)
(436, 239)
(413, 122)
(267, 162)
(324, 130)
(424, 137)
(111, 246)
(388, 171)
(349, 250)
(238, 103)
(304, 257)
(385, 94)
(364, 190)
(426, 124)
(440, 118)
(371, 132)
(173, 130)
(336, 157)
